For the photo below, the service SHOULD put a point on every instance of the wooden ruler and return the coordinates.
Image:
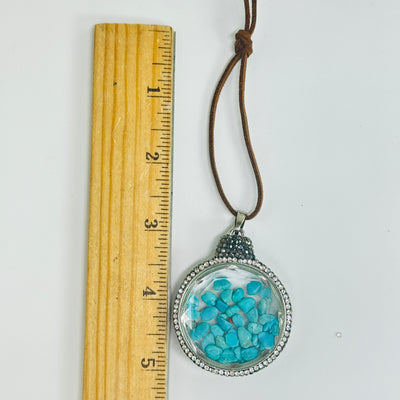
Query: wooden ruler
(129, 222)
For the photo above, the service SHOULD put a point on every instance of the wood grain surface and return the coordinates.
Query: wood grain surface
(129, 218)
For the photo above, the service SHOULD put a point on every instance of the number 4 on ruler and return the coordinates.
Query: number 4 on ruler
(148, 291)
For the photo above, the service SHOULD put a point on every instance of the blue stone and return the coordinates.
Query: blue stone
(209, 298)
(266, 318)
(226, 296)
(275, 329)
(221, 305)
(227, 357)
(270, 321)
(224, 316)
(252, 315)
(238, 295)
(208, 339)
(213, 351)
(253, 287)
(244, 337)
(231, 338)
(266, 340)
(254, 328)
(265, 292)
(222, 284)
(223, 323)
(262, 306)
(254, 340)
(192, 313)
(271, 317)
(220, 342)
(200, 331)
(246, 304)
(272, 326)
(193, 300)
(237, 351)
(249, 354)
(216, 330)
(209, 313)
(238, 320)
(232, 310)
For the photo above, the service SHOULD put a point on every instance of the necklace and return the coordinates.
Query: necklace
(231, 314)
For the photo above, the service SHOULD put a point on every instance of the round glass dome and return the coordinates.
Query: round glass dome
(230, 316)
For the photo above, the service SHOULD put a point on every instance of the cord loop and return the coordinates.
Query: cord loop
(243, 49)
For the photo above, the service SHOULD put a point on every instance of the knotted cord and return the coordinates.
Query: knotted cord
(243, 49)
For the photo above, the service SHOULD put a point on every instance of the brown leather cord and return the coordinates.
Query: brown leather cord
(243, 49)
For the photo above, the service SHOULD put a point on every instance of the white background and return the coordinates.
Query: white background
(323, 98)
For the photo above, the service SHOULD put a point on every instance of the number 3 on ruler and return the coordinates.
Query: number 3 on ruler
(150, 224)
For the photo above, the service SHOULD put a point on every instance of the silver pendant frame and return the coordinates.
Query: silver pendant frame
(251, 366)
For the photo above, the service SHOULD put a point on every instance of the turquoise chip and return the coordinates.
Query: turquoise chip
(227, 357)
(238, 320)
(253, 287)
(254, 340)
(208, 339)
(216, 330)
(237, 351)
(265, 292)
(222, 284)
(244, 337)
(226, 295)
(232, 310)
(209, 313)
(209, 298)
(238, 295)
(272, 326)
(275, 329)
(254, 328)
(221, 305)
(231, 338)
(252, 315)
(249, 354)
(223, 323)
(200, 331)
(266, 340)
(246, 304)
(266, 318)
(220, 342)
(262, 306)
(213, 351)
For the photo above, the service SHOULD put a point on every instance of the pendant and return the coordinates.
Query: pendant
(232, 315)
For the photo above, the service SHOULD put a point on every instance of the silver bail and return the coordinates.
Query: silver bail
(239, 221)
